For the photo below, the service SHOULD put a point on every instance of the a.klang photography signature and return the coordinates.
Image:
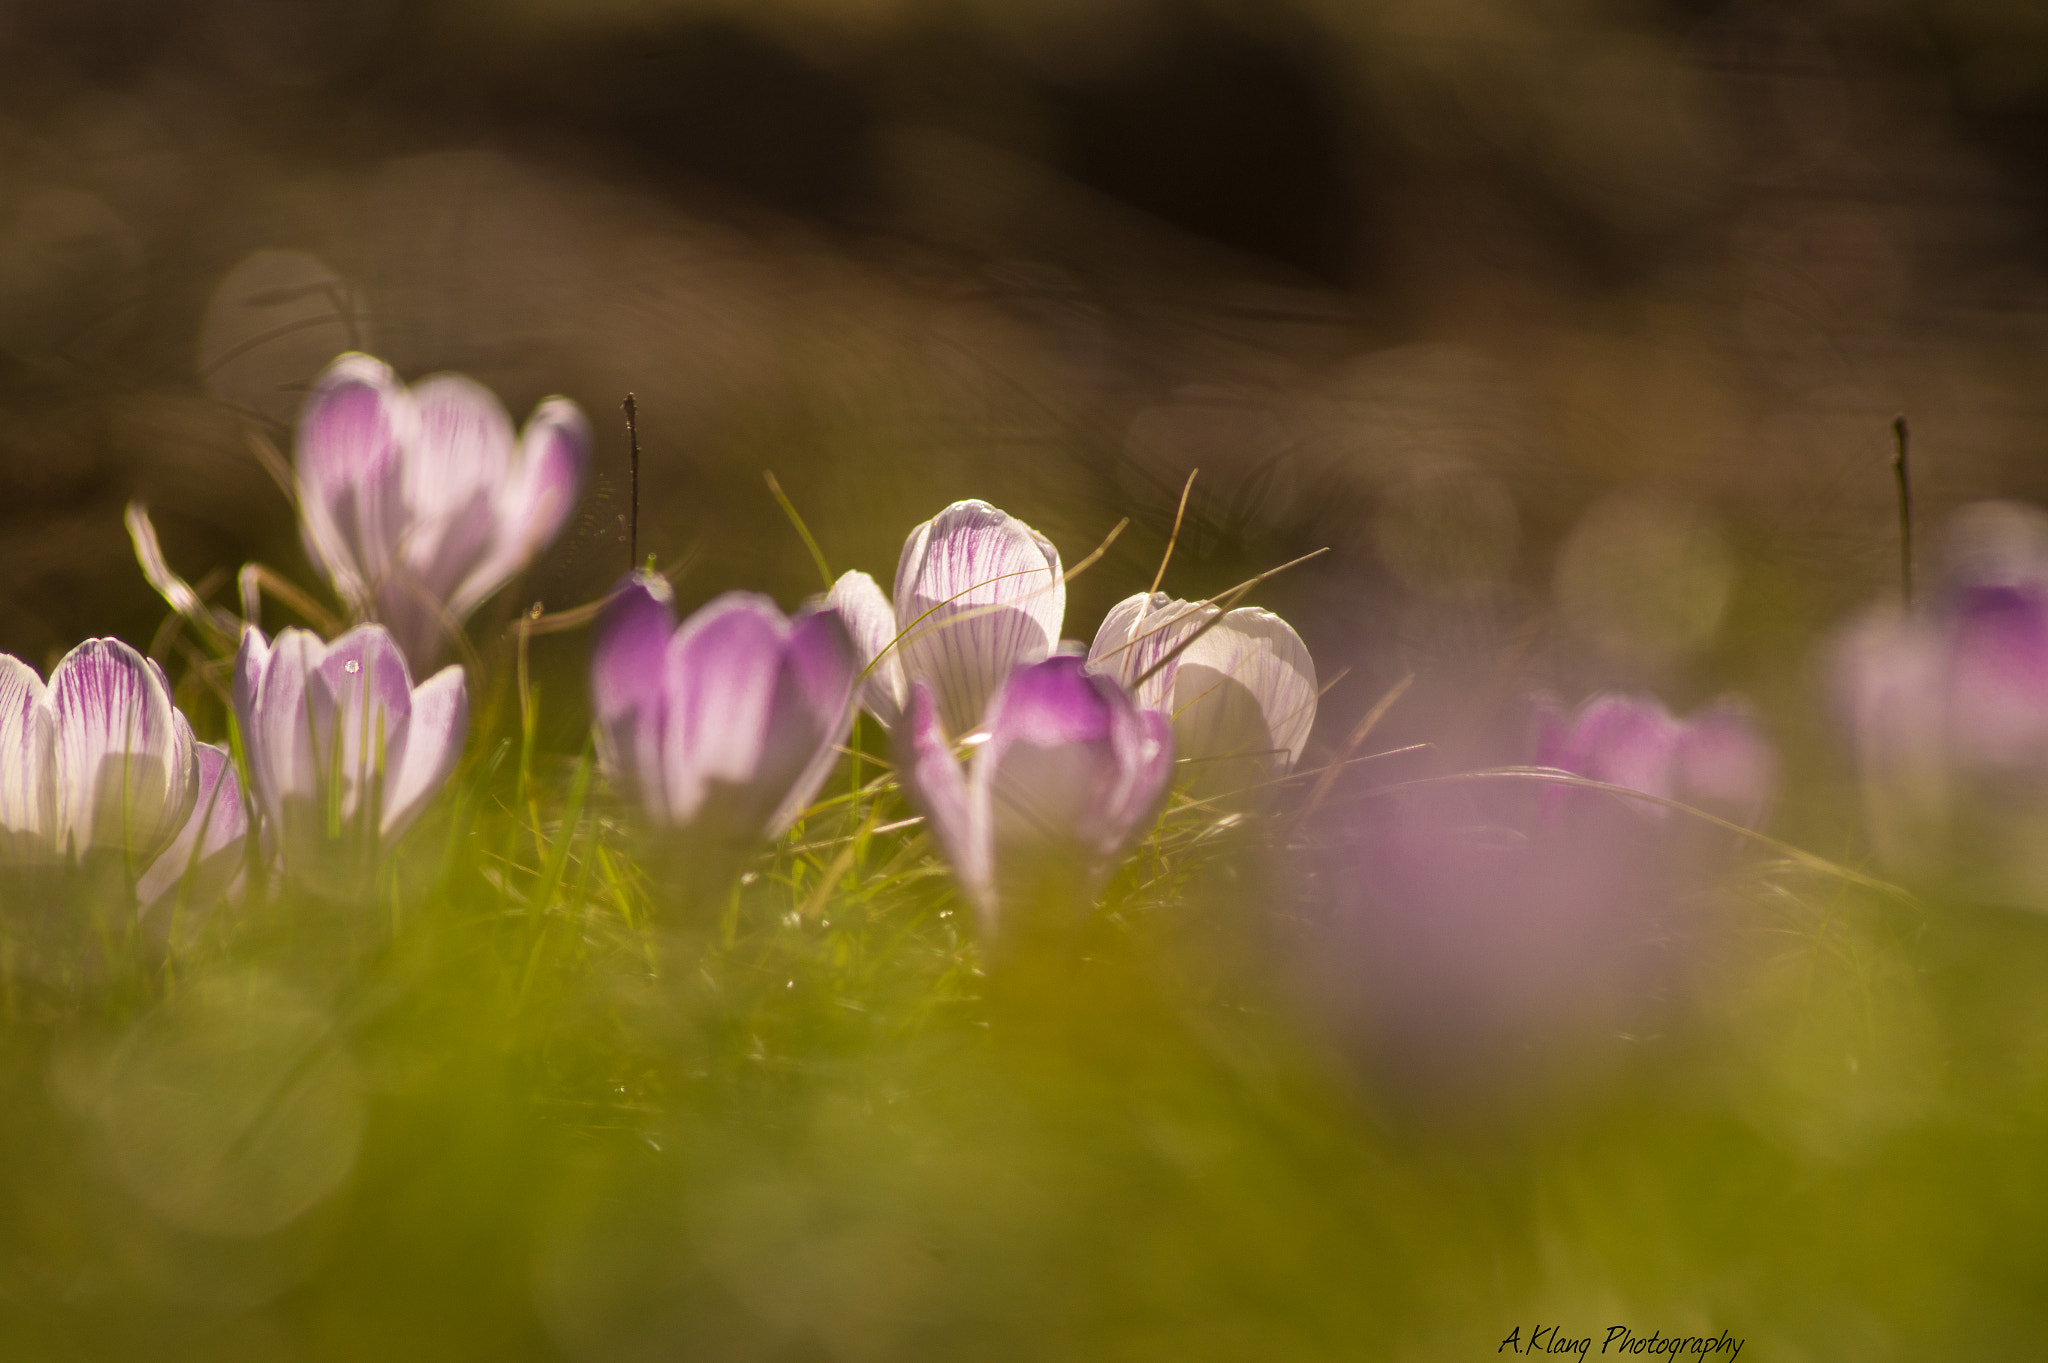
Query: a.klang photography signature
(1620, 1340)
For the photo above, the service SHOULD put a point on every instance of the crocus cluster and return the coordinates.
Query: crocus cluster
(1947, 709)
(419, 502)
(100, 763)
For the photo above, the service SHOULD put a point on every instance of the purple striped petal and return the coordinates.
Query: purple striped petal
(434, 736)
(204, 859)
(978, 594)
(28, 789)
(871, 620)
(1140, 642)
(719, 682)
(123, 753)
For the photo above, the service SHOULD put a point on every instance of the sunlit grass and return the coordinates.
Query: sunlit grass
(541, 1093)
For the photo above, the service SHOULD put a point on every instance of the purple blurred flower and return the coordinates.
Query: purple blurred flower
(1717, 760)
(729, 723)
(1481, 921)
(1947, 708)
(98, 758)
(419, 503)
(1241, 693)
(204, 861)
(343, 750)
(978, 593)
(1071, 773)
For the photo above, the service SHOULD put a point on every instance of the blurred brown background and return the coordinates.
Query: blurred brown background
(1574, 329)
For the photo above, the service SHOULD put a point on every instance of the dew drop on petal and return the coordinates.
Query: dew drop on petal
(351, 667)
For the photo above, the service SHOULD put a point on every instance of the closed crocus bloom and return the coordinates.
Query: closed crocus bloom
(1716, 760)
(1071, 773)
(98, 759)
(727, 724)
(1947, 707)
(203, 861)
(978, 593)
(418, 503)
(343, 750)
(1242, 690)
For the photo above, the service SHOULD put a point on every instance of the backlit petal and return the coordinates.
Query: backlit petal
(719, 681)
(123, 753)
(28, 792)
(871, 620)
(533, 502)
(434, 737)
(628, 661)
(207, 854)
(978, 593)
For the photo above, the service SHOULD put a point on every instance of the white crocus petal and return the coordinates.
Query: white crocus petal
(433, 743)
(1139, 643)
(123, 753)
(360, 702)
(28, 792)
(871, 620)
(1245, 687)
(283, 763)
(978, 594)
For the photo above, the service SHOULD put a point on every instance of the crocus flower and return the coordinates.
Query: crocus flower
(978, 593)
(1071, 773)
(1241, 691)
(343, 750)
(1947, 708)
(98, 759)
(1716, 760)
(419, 503)
(728, 723)
(205, 858)
(1492, 921)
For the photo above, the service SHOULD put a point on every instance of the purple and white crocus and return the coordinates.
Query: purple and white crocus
(1240, 690)
(1070, 774)
(726, 724)
(419, 502)
(1947, 709)
(978, 593)
(100, 761)
(343, 750)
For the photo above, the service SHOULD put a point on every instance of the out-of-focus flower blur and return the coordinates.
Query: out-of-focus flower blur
(420, 502)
